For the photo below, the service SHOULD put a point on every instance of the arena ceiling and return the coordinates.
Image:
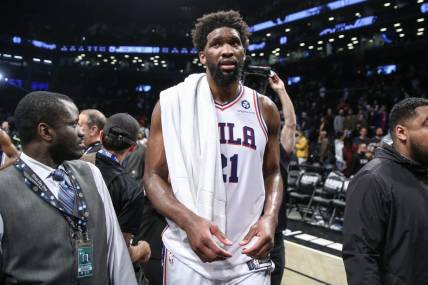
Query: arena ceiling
(68, 20)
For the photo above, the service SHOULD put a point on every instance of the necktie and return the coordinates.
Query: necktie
(66, 195)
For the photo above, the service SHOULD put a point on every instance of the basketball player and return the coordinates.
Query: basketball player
(246, 128)
(8, 152)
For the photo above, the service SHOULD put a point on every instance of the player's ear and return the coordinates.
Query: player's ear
(202, 58)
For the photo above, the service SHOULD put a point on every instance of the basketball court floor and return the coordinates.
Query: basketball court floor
(312, 255)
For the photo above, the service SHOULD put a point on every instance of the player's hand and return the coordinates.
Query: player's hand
(277, 84)
(200, 233)
(264, 229)
(140, 252)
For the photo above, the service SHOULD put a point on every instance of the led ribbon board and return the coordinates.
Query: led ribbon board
(257, 46)
(335, 5)
(102, 49)
(363, 22)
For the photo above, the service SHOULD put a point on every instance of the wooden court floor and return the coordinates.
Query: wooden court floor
(306, 266)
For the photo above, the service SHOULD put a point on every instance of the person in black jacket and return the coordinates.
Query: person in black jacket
(118, 137)
(386, 215)
(287, 140)
(153, 224)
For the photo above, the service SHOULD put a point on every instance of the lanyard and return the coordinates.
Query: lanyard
(91, 147)
(109, 155)
(78, 220)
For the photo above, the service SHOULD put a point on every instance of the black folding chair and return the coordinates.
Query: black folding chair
(307, 183)
(323, 199)
(339, 204)
(292, 179)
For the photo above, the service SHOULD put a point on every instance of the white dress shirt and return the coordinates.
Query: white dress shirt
(119, 263)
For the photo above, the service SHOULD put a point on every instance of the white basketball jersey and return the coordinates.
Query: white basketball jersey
(243, 137)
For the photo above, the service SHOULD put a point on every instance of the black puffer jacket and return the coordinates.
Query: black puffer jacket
(386, 222)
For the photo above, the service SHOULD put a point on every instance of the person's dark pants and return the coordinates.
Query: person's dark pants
(153, 271)
(278, 257)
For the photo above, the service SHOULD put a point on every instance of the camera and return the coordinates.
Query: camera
(256, 77)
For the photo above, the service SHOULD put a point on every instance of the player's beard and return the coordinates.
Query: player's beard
(225, 78)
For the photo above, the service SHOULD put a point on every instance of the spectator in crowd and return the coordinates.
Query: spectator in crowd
(322, 125)
(383, 118)
(338, 150)
(386, 212)
(362, 138)
(338, 121)
(91, 122)
(348, 152)
(305, 124)
(329, 122)
(144, 130)
(372, 117)
(377, 139)
(56, 208)
(302, 147)
(323, 146)
(350, 121)
(359, 159)
(361, 120)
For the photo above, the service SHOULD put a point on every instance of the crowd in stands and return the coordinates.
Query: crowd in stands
(341, 122)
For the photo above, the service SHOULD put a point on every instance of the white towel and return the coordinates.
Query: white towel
(192, 147)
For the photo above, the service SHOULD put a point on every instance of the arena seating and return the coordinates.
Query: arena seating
(318, 199)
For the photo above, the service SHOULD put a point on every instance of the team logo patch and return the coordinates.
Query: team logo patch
(245, 104)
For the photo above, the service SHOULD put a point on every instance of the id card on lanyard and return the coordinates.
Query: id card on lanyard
(78, 220)
(85, 255)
